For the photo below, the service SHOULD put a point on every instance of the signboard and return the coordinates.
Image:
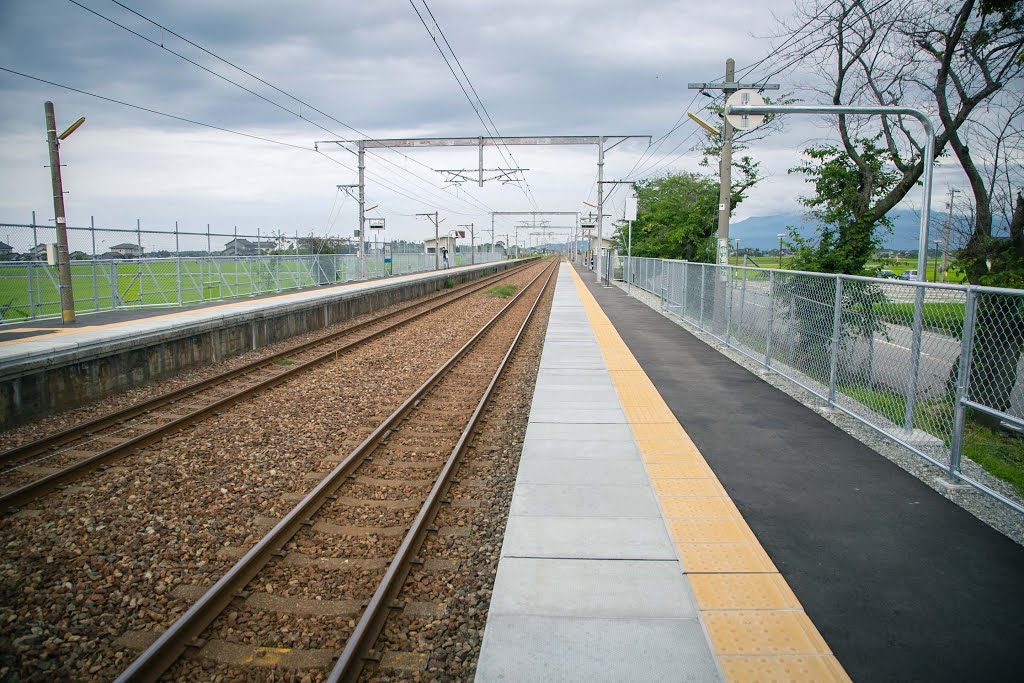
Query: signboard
(631, 208)
(376, 223)
(745, 98)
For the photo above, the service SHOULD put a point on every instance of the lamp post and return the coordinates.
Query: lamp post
(780, 236)
(935, 274)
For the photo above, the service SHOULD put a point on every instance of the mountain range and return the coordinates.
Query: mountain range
(761, 232)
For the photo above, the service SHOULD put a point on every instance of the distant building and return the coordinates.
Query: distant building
(127, 250)
(37, 253)
(430, 245)
(244, 247)
(5, 250)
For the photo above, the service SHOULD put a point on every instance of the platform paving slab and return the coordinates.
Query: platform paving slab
(589, 587)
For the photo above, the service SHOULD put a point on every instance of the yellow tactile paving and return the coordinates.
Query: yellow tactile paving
(685, 470)
(756, 624)
(743, 592)
(687, 488)
(724, 558)
(710, 531)
(764, 632)
(696, 508)
(770, 669)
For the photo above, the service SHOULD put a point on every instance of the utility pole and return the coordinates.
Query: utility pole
(472, 241)
(67, 295)
(728, 87)
(437, 240)
(946, 232)
(362, 210)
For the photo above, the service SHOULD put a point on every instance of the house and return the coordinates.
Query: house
(429, 245)
(37, 253)
(127, 250)
(5, 251)
(244, 247)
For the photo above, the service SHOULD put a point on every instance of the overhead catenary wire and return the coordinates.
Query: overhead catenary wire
(488, 129)
(298, 114)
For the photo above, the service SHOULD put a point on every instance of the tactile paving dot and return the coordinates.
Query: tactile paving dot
(688, 488)
(679, 447)
(706, 508)
(709, 530)
(763, 633)
(679, 471)
(781, 669)
(724, 557)
(742, 592)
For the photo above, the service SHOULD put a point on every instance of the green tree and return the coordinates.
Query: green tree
(848, 232)
(676, 217)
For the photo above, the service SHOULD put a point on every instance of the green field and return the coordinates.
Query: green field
(102, 285)
(895, 265)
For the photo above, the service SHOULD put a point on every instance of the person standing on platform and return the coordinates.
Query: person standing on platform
(444, 257)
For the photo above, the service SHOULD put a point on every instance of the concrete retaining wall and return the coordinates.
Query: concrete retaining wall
(66, 380)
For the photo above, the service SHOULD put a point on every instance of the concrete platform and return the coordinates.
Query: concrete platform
(46, 367)
(901, 583)
(623, 558)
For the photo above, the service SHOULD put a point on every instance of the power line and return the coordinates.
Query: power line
(275, 88)
(487, 129)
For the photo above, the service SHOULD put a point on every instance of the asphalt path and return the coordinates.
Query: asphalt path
(903, 584)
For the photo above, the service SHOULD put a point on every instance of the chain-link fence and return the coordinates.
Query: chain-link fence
(123, 268)
(906, 358)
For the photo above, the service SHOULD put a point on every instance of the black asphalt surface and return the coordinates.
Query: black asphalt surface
(903, 584)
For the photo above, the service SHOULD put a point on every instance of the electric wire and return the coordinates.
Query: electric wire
(493, 135)
(299, 115)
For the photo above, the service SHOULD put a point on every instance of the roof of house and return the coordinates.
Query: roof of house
(6, 247)
(126, 245)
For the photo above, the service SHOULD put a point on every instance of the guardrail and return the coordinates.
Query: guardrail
(857, 343)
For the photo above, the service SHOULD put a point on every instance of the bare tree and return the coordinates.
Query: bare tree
(962, 62)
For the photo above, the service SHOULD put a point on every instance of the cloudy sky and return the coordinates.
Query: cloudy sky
(542, 67)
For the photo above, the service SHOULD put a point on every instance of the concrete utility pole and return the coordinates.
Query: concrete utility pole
(67, 295)
(946, 232)
(725, 168)
(472, 242)
(437, 240)
(362, 210)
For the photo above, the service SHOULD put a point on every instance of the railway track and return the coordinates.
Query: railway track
(33, 469)
(331, 567)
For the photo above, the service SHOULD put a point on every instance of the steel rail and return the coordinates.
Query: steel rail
(167, 648)
(357, 648)
(61, 438)
(35, 489)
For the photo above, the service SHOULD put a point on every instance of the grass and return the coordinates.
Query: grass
(941, 316)
(449, 283)
(96, 285)
(1001, 454)
(284, 361)
(502, 291)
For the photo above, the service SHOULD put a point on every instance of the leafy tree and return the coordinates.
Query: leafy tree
(962, 62)
(676, 217)
(847, 234)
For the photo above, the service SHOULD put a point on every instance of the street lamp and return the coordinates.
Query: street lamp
(780, 236)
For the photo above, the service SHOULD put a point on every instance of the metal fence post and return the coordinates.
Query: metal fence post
(837, 324)
(743, 301)
(138, 261)
(728, 309)
(963, 382)
(32, 271)
(177, 258)
(95, 278)
(686, 289)
(703, 272)
(915, 358)
(771, 318)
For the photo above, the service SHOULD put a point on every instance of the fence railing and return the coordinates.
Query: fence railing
(114, 269)
(906, 358)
